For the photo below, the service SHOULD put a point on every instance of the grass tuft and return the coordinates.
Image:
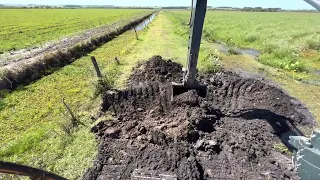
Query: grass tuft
(232, 51)
(251, 38)
(103, 84)
(314, 43)
(209, 61)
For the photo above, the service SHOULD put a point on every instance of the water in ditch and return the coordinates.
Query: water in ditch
(145, 23)
(224, 48)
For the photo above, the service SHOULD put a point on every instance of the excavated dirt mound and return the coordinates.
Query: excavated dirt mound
(229, 134)
(156, 70)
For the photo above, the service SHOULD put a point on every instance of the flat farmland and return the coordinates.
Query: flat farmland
(287, 44)
(37, 130)
(21, 28)
(286, 40)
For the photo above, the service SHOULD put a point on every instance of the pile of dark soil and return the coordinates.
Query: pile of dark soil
(229, 134)
(156, 70)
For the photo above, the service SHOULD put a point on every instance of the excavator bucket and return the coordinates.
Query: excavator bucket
(182, 88)
(199, 8)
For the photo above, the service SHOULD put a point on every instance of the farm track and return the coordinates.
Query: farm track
(27, 65)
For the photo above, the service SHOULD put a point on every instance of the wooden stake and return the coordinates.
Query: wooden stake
(136, 34)
(74, 120)
(117, 60)
(96, 67)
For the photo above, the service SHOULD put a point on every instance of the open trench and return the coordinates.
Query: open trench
(229, 133)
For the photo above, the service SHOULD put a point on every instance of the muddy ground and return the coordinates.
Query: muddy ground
(228, 134)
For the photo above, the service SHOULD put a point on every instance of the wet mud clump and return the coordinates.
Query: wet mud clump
(229, 134)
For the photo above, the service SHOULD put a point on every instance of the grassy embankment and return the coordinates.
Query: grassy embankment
(21, 28)
(284, 39)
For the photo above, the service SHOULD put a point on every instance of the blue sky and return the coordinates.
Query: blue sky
(285, 4)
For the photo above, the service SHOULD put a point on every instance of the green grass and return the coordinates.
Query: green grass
(31, 117)
(282, 149)
(21, 28)
(283, 38)
(290, 81)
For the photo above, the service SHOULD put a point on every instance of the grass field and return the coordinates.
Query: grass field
(218, 27)
(34, 125)
(23, 28)
(33, 119)
(289, 41)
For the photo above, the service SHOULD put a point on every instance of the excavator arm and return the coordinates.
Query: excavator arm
(314, 3)
(199, 8)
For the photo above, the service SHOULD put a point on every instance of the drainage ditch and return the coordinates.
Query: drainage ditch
(25, 71)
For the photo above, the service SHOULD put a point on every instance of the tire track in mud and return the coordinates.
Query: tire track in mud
(229, 134)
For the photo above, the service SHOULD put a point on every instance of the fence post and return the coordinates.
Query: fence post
(136, 33)
(74, 120)
(117, 60)
(96, 67)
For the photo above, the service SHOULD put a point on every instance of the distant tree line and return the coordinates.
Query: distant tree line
(132, 7)
(181, 7)
(222, 8)
(260, 9)
(32, 6)
(176, 7)
(73, 6)
(249, 9)
(29, 7)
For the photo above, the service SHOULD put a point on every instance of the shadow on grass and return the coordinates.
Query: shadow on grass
(283, 127)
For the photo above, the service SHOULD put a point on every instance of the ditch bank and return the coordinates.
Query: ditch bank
(228, 134)
(233, 50)
(25, 70)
